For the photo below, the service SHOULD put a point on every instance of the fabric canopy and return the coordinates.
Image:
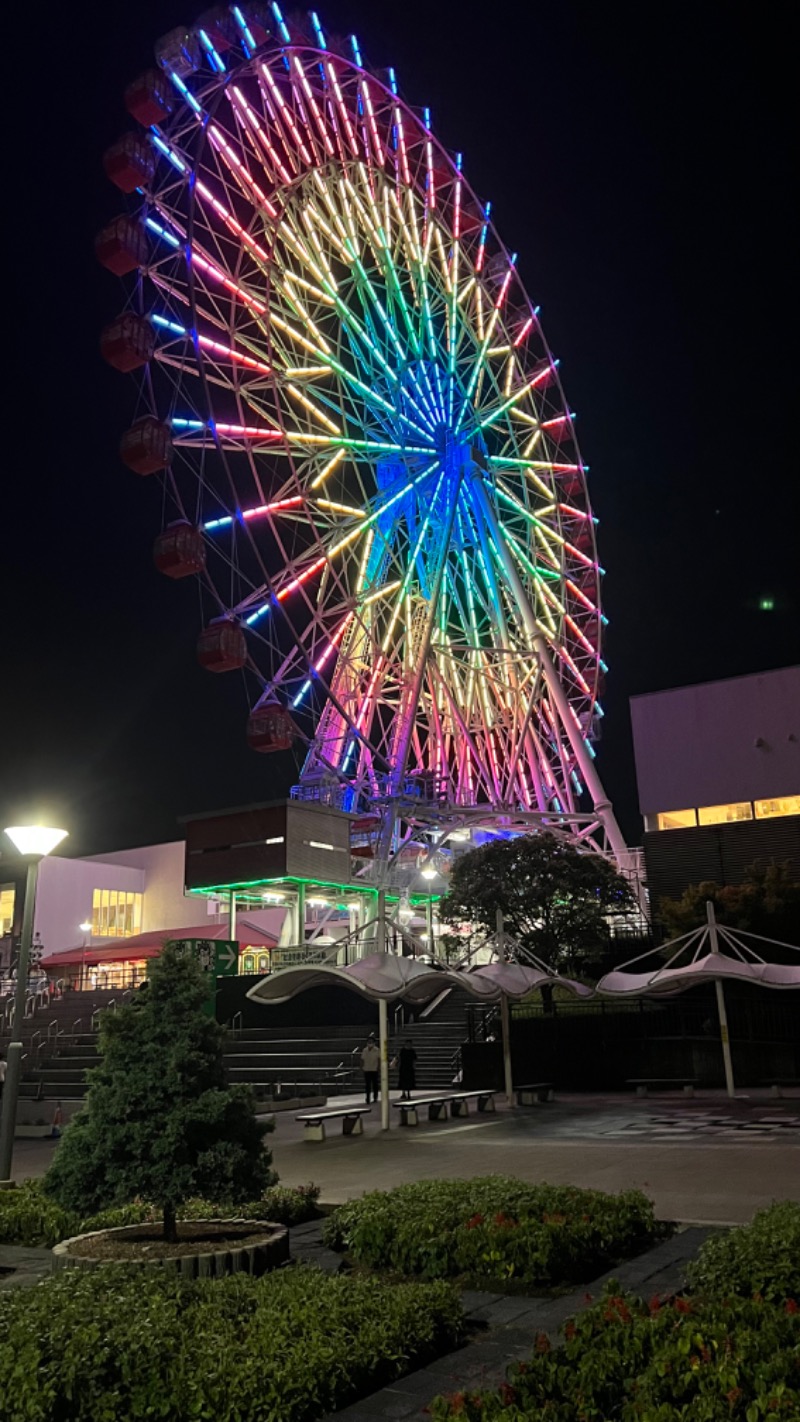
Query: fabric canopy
(390, 978)
(710, 968)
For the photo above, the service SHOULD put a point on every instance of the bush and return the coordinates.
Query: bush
(761, 1258)
(29, 1217)
(111, 1343)
(493, 1227)
(735, 1360)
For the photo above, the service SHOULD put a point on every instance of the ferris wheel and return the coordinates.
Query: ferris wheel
(368, 459)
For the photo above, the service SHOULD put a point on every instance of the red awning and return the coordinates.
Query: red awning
(149, 945)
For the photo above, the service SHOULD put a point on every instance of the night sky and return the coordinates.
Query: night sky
(637, 158)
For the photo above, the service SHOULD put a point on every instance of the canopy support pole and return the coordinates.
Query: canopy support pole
(505, 1020)
(383, 1019)
(231, 916)
(723, 1016)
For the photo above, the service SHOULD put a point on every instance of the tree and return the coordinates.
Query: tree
(555, 899)
(159, 1119)
(766, 902)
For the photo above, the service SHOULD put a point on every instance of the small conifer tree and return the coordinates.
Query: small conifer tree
(159, 1120)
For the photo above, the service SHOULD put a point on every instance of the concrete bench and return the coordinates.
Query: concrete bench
(776, 1084)
(458, 1101)
(662, 1083)
(350, 1117)
(535, 1091)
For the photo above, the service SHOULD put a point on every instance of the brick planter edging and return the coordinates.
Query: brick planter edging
(259, 1258)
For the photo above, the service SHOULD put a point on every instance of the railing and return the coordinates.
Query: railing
(483, 1022)
(236, 1023)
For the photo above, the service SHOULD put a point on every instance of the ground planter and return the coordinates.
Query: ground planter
(204, 1249)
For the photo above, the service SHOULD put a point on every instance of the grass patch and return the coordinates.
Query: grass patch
(108, 1344)
(493, 1230)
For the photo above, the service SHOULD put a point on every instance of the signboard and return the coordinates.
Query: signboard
(218, 957)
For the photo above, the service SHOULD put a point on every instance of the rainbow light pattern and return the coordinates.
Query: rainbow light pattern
(369, 427)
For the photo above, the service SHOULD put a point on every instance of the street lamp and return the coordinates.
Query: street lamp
(33, 842)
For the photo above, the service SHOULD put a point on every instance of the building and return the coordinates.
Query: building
(85, 908)
(718, 773)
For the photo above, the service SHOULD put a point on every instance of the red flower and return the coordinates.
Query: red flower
(683, 1305)
(508, 1394)
(655, 1304)
(570, 1331)
(506, 1220)
(542, 1343)
(791, 1306)
(587, 1298)
(475, 1221)
(734, 1395)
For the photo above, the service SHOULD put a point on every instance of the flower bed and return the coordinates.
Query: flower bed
(29, 1217)
(203, 1248)
(113, 1344)
(727, 1352)
(494, 1229)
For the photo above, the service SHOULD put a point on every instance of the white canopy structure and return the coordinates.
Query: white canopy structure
(706, 963)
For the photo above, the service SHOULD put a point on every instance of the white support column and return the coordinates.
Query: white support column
(600, 800)
(383, 1019)
(723, 1015)
(300, 914)
(505, 1019)
(380, 926)
(232, 916)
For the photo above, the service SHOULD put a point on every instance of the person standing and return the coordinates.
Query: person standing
(371, 1065)
(407, 1076)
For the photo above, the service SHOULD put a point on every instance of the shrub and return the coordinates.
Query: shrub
(29, 1218)
(159, 1118)
(734, 1360)
(761, 1258)
(111, 1343)
(493, 1227)
(282, 1204)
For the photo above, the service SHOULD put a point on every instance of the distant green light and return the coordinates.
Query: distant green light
(766, 604)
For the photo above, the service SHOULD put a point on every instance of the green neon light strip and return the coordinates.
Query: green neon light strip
(212, 890)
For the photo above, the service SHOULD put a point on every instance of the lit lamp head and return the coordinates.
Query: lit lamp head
(35, 841)
(85, 927)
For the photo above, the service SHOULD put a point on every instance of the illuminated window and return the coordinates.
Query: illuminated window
(677, 819)
(249, 963)
(770, 809)
(6, 908)
(116, 913)
(725, 814)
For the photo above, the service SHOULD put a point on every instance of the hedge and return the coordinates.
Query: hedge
(31, 1218)
(493, 1228)
(762, 1258)
(289, 1347)
(712, 1360)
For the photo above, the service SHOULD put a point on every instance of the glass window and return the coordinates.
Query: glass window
(6, 908)
(725, 814)
(115, 913)
(677, 819)
(249, 963)
(786, 805)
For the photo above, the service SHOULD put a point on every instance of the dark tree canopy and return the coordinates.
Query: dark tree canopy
(767, 902)
(159, 1119)
(555, 899)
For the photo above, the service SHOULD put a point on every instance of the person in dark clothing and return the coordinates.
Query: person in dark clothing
(407, 1076)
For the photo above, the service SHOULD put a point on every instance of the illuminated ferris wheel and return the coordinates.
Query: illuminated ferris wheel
(368, 460)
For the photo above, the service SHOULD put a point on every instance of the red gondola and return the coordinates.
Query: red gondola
(179, 551)
(121, 247)
(128, 342)
(148, 98)
(147, 446)
(130, 162)
(221, 646)
(270, 728)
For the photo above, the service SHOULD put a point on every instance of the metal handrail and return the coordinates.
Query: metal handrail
(236, 1022)
(58, 1030)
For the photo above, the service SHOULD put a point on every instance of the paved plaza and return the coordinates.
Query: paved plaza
(706, 1161)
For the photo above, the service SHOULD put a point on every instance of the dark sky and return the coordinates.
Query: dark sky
(638, 159)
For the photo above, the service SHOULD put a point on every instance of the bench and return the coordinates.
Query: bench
(350, 1117)
(776, 1083)
(535, 1091)
(662, 1083)
(458, 1101)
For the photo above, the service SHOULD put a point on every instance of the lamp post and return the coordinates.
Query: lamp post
(33, 842)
